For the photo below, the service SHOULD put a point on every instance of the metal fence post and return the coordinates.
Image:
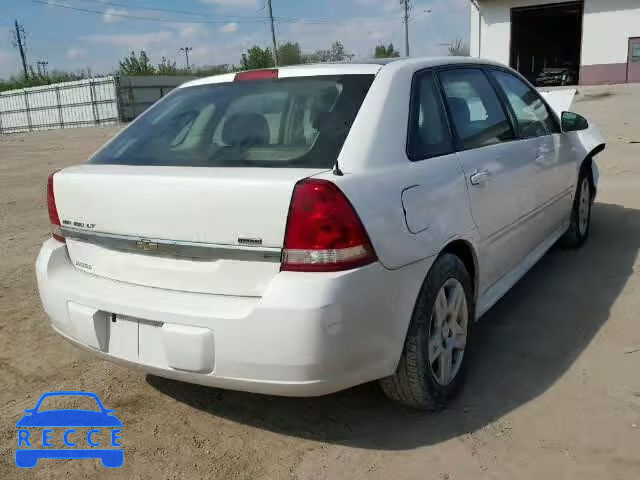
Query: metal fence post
(94, 106)
(119, 105)
(28, 109)
(59, 104)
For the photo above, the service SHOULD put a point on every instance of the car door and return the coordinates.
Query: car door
(539, 130)
(433, 185)
(498, 168)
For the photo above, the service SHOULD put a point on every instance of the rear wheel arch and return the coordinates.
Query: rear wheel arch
(467, 254)
(413, 383)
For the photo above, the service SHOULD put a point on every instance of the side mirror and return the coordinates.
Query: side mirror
(572, 122)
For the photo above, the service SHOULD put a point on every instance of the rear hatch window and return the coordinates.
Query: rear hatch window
(289, 122)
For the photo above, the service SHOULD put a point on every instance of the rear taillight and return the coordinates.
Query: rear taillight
(324, 233)
(56, 227)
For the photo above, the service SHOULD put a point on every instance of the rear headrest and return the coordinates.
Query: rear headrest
(246, 129)
(460, 110)
(322, 105)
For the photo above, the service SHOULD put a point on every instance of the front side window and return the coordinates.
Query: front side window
(475, 110)
(288, 122)
(532, 115)
(428, 129)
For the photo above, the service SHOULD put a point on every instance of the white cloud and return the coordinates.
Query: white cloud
(229, 27)
(215, 53)
(368, 23)
(51, 3)
(189, 30)
(387, 6)
(75, 53)
(111, 15)
(132, 40)
(245, 4)
(381, 22)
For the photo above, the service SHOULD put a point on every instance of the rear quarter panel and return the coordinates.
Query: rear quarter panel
(377, 171)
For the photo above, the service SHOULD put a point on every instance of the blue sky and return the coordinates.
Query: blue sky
(70, 39)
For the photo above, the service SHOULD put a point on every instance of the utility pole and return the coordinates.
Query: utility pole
(477, 5)
(42, 64)
(407, 9)
(186, 51)
(19, 42)
(273, 35)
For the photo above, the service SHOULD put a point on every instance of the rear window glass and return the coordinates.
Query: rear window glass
(290, 122)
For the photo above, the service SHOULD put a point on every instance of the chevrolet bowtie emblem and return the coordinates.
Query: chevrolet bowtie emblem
(146, 245)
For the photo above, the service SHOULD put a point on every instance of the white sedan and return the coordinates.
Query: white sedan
(301, 230)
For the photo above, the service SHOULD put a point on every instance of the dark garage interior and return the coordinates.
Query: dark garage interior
(547, 38)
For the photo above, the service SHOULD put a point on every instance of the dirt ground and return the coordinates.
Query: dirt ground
(553, 391)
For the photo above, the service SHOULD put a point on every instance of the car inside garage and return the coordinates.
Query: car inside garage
(546, 42)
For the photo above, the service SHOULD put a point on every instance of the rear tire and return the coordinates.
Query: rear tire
(578, 231)
(432, 365)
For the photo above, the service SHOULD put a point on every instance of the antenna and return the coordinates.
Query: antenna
(336, 170)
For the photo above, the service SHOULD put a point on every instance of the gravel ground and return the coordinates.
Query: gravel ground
(553, 391)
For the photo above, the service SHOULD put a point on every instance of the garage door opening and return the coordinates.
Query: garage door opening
(546, 41)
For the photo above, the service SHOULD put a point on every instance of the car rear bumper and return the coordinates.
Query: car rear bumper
(309, 334)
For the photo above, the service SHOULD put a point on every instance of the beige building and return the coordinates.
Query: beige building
(598, 39)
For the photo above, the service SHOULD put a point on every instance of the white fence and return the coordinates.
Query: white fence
(94, 101)
(70, 104)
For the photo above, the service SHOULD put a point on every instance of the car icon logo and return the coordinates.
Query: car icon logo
(84, 433)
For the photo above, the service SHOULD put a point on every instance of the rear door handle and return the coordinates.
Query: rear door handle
(480, 178)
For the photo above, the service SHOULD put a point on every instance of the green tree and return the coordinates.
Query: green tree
(459, 48)
(213, 70)
(383, 51)
(335, 53)
(256, 57)
(167, 67)
(35, 79)
(289, 53)
(136, 65)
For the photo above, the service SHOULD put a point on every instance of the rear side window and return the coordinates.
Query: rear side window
(428, 129)
(476, 111)
(289, 122)
(532, 115)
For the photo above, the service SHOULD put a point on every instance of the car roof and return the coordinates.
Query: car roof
(363, 67)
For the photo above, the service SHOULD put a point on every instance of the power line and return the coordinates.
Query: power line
(247, 20)
(137, 17)
(231, 17)
(166, 10)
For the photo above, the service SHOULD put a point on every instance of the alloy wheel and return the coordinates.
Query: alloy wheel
(448, 332)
